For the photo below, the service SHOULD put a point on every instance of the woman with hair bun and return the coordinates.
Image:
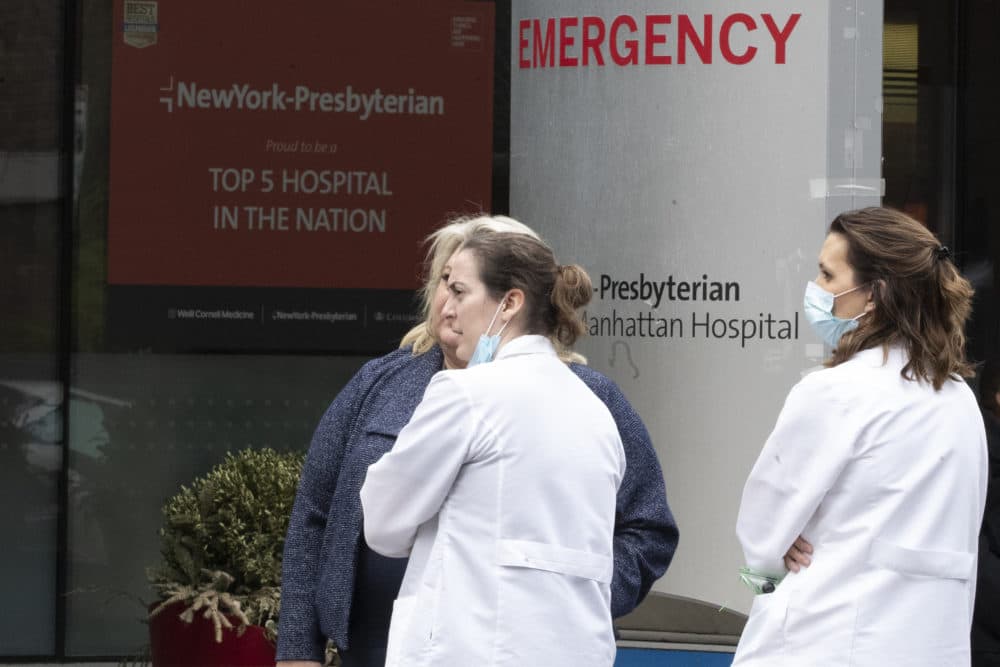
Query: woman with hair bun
(502, 487)
(860, 519)
(334, 588)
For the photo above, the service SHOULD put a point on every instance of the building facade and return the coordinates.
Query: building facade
(211, 216)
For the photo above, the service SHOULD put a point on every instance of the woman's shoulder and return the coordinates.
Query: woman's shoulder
(868, 374)
(604, 388)
(401, 358)
(399, 367)
(394, 358)
(599, 383)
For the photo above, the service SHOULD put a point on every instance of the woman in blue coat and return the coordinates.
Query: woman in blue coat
(333, 586)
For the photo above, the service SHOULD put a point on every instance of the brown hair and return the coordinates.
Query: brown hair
(921, 300)
(553, 293)
(442, 244)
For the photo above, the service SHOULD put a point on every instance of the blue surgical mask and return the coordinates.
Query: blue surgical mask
(487, 346)
(818, 308)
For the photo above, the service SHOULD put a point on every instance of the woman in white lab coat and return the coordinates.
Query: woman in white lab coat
(501, 489)
(862, 513)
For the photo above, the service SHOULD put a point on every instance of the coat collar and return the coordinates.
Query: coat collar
(527, 344)
(882, 355)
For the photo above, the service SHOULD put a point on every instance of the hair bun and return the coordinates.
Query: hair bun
(574, 285)
(572, 290)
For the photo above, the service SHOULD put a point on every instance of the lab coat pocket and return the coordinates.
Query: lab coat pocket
(765, 629)
(399, 625)
(914, 608)
(553, 558)
(553, 605)
(763, 602)
(922, 562)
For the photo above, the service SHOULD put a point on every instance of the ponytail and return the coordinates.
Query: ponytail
(955, 301)
(572, 290)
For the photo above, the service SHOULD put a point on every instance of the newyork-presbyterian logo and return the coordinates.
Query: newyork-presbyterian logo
(179, 95)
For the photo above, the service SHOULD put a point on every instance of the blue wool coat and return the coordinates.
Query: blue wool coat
(324, 533)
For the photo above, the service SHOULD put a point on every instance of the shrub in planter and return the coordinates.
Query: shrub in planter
(222, 542)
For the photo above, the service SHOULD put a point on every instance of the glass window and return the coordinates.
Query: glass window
(31, 395)
(252, 201)
(978, 232)
(918, 125)
(142, 425)
(939, 134)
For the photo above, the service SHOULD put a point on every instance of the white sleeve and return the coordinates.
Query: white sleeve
(408, 485)
(811, 443)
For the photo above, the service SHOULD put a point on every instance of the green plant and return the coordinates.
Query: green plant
(222, 541)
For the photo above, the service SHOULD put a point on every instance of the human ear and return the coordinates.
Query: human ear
(873, 290)
(512, 304)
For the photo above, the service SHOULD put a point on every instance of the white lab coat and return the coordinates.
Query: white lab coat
(501, 490)
(887, 479)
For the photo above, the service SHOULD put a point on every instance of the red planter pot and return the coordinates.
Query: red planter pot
(174, 643)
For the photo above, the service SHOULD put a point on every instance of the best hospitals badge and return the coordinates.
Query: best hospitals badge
(139, 23)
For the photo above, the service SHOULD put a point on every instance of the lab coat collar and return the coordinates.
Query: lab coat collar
(527, 344)
(877, 357)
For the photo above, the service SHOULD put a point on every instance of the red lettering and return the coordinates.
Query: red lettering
(546, 49)
(652, 39)
(593, 43)
(780, 36)
(632, 45)
(523, 26)
(565, 41)
(724, 45)
(686, 32)
(552, 45)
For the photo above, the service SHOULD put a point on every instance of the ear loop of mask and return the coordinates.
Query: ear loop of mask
(859, 315)
(495, 315)
(848, 291)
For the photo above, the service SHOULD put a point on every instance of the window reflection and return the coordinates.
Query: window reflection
(30, 391)
(30, 461)
(142, 426)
